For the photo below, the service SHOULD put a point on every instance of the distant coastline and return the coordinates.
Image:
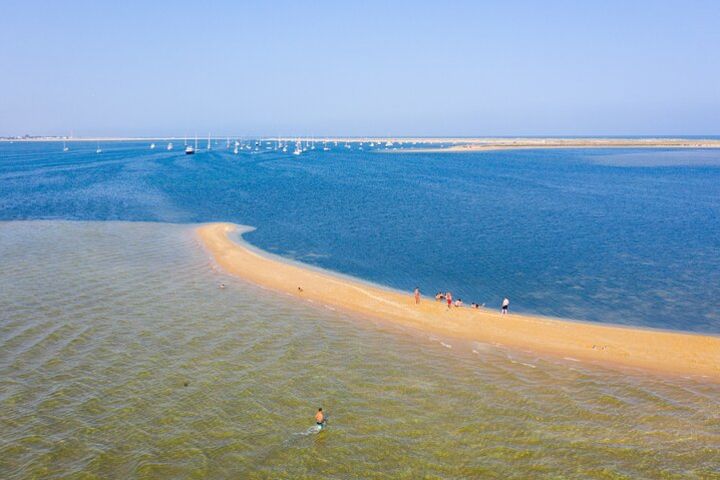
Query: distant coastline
(661, 351)
(477, 145)
(436, 144)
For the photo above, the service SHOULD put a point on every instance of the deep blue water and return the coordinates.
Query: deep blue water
(623, 236)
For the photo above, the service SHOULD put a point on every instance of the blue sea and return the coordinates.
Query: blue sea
(627, 236)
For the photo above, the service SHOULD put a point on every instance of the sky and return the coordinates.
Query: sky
(475, 68)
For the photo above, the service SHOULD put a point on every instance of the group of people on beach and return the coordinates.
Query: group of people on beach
(448, 298)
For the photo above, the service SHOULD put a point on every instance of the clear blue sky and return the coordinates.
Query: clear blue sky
(405, 68)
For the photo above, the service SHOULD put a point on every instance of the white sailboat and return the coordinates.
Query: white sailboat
(65, 148)
(98, 149)
(169, 146)
(189, 149)
(152, 146)
(208, 145)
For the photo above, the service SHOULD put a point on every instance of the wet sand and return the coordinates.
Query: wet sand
(658, 351)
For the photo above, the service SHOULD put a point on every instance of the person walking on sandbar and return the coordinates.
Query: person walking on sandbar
(448, 297)
(417, 295)
(505, 305)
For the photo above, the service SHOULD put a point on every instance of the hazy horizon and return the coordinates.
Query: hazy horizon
(408, 69)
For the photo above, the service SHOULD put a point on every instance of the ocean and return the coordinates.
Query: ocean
(121, 356)
(607, 235)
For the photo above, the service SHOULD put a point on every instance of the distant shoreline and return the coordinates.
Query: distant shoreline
(558, 143)
(666, 352)
(435, 144)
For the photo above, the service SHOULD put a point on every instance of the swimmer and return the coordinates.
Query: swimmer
(417, 295)
(448, 297)
(320, 418)
(458, 302)
(505, 305)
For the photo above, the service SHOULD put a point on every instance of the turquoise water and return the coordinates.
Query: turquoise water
(609, 235)
(120, 357)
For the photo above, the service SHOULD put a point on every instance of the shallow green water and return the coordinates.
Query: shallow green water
(102, 324)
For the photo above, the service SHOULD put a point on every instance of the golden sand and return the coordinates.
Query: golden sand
(659, 351)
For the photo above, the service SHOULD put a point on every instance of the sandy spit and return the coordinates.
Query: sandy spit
(659, 351)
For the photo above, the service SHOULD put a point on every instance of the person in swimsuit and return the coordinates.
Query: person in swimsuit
(505, 305)
(448, 297)
(417, 295)
(320, 418)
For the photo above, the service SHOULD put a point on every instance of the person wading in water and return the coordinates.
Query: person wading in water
(320, 418)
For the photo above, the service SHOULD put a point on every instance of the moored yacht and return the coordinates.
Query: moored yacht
(189, 150)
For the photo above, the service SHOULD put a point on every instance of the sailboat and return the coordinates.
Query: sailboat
(190, 150)
(170, 146)
(98, 150)
(208, 145)
(65, 148)
(152, 146)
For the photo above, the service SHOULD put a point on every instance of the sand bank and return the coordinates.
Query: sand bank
(660, 351)
(480, 145)
(460, 144)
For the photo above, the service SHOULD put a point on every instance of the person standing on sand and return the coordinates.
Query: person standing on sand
(448, 297)
(417, 295)
(505, 305)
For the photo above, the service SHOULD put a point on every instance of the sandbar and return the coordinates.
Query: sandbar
(660, 351)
